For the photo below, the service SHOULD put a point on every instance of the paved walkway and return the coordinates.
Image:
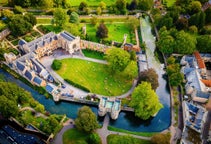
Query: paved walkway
(67, 125)
(104, 132)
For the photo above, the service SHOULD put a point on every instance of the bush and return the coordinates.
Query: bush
(56, 65)
(94, 138)
(77, 85)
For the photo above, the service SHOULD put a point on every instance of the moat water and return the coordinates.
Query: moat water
(126, 120)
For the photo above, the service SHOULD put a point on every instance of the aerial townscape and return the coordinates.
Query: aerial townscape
(105, 71)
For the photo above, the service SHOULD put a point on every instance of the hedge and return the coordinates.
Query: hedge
(77, 85)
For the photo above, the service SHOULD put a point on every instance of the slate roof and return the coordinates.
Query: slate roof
(37, 80)
(21, 42)
(49, 88)
(38, 65)
(202, 94)
(20, 66)
(67, 36)
(28, 74)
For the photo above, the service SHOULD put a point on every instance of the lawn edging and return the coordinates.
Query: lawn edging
(77, 85)
(145, 134)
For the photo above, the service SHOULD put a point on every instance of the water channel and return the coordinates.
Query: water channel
(126, 120)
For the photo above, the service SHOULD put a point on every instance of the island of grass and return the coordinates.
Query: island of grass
(95, 77)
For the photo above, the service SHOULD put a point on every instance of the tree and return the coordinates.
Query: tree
(150, 76)
(93, 20)
(193, 29)
(60, 17)
(121, 6)
(87, 10)
(31, 19)
(46, 4)
(74, 18)
(204, 43)
(133, 5)
(184, 43)
(19, 25)
(56, 65)
(133, 23)
(94, 138)
(171, 60)
(145, 101)
(86, 120)
(176, 79)
(198, 20)
(102, 31)
(161, 138)
(195, 7)
(118, 59)
(131, 70)
(181, 24)
(82, 6)
(98, 11)
(102, 5)
(40, 108)
(145, 4)
(208, 15)
(166, 21)
(8, 107)
(18, 10)
(165, 44)
(72, 28)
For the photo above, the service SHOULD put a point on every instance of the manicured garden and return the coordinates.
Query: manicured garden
(95, 77)
(116, 32)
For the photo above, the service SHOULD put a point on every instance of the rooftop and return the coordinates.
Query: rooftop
(199, 60)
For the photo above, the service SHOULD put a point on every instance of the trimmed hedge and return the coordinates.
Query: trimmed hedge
(77, 85)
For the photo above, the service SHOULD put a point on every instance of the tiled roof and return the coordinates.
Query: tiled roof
(200, 61)
(67, 36)
(206, 82)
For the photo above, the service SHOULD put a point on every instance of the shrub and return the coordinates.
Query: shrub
(56, 65)
(77, 85)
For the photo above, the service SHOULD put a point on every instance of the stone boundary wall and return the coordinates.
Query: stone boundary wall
(93, 46)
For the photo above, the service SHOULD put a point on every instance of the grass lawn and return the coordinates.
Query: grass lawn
(125, 139)
(169, 3)
(145, 134)
(93, 2)
(43, 21)
(116, 32)
(73, 136)
(94, 76)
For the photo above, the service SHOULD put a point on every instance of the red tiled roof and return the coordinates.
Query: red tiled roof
(200, 61)
(206, 82)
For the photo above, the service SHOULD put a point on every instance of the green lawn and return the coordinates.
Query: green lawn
(116, 32)
(94, 76)
(111, 139)
(43, 21)
(93, 54)
(93, 2)
(73, 136)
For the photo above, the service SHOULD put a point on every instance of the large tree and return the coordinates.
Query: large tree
(165, 44)
(145, 101)
(118, 59)
(208, 15)
(102, 31)
(195, 7)
(121, 6)
(86, 120)
(198, 19)
(204, 43)
(74, 18)
(145, 4)
(60, 16)
(150, 76)
(131, 71)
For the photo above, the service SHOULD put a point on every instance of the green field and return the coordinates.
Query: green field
(111, 139)
(116, 32)
(93, 2)
(73, 136)
(95, 77)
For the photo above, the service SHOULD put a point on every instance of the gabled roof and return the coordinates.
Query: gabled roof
(37, 80)
(206, 82)
(49, 88)
(67, 36)
(38, 65)
(200, 61)
(28, 74)
(20, 66)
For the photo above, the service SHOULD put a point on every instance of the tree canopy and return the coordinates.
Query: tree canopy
(150, 76)
(102, 31)
(56, 65)
(145, 101)
(118, 59)
(204, 43)
(60, 16)
(74, 18)
(86, 120)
